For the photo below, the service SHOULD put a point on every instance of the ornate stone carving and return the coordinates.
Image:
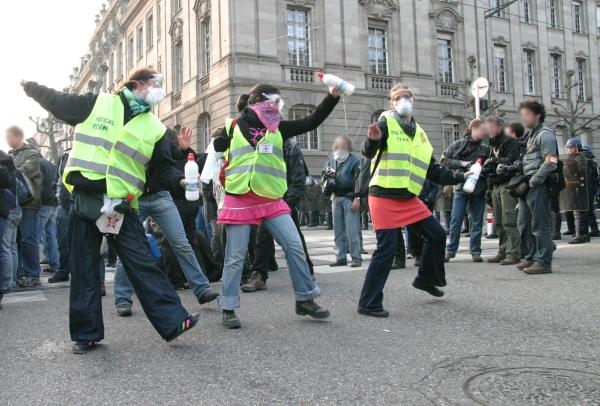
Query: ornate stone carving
(529, 45)
(500, 40)
(202, 9)
(446, 19)
(176, 30)
(302, 3)
(379, 8)
(556, 50)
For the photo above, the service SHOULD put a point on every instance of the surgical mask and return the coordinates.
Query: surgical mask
(341, 154)
(404, 106)
(154, 95)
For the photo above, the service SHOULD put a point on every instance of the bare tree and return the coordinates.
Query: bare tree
(47, 126)
(572, 120)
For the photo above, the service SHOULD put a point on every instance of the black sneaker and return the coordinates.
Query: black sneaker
(380, 313)
(595, 233)
(29, 282)
(230, 320)
(207, 297)
(102, 289)
(83, 347)
(49, 270)
(56, 279)
(399, 263)
(310, 308)
(189, 322)
(339, 262)
(432, 290)
(124, 310)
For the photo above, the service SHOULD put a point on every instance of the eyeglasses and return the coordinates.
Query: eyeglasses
(274, 99)
(155, 80)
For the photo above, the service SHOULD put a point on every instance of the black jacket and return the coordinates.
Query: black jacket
(435, 172)
(73, 109)
(180, 156)
(466, 149)
(8, 174)
(503, 150)
(49, 173)
(64, 197)
(296, 173)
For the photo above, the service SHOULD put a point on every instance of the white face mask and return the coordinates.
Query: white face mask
(154, 95)
(341, 154)
(404, 106)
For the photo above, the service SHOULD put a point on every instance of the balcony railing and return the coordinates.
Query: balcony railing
(176, 99)
(380, 82)
(445, 89)
(300, 74)
(204, 83)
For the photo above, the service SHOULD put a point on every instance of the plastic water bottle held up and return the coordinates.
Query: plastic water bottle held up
(192, 191)
(471, 181)
(332, 80)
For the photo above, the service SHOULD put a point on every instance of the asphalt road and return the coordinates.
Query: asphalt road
(498, 337)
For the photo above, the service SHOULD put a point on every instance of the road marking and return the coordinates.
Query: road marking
(24, 297)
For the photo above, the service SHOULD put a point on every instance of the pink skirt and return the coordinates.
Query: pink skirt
(387, 213)
(251, 208)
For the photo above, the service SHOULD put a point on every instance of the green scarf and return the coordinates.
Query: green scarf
(136, 105)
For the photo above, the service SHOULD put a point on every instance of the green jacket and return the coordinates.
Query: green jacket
(27, 160)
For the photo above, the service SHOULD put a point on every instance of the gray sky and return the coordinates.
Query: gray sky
(40, 40)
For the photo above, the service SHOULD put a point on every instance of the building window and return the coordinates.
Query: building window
(527, 11)
(529, 72)
(450, 133)
(500, 69)
(158, 20)
(130, 52)
(580, 76)
(310, 140)
(176, 6)
(598, 19)
(111, 69)
(119, 60)
(205, 47)
(377, 52)
(556, 75)
(149, 31)
(140, 42)
(553, 13)
(298, 27)
(177, 66)
(497, 4)
(578, 25)
(203, 138)
(444, 57)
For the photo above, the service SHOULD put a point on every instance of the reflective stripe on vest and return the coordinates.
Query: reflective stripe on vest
(94, 139)
(250, 170)
(405, 163)
(130, 155)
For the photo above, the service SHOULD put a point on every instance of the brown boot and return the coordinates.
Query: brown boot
(494, 260)
(524, 264)
(538, 269)
(510, 261)
(255, 283)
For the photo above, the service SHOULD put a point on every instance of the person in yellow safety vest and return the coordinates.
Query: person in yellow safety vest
(255, 183)
(117, 139)
(402, 159)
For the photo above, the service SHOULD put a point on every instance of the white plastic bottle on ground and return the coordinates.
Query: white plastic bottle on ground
(471, 181)
(332, 80)
(192, 191)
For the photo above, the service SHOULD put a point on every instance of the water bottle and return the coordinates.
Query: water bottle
(332, 80)
(192, 192)
(471, 181)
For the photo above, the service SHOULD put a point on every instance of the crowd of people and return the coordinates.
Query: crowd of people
(118, 198)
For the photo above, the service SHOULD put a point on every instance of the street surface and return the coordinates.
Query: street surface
(498, 337)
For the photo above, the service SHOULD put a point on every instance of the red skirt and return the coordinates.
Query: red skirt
(388, 213)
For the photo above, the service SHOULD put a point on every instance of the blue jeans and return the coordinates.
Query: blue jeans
(29, 254)
(534, 224)
(346, 229)
(9, 253)
(459, 209)
(162, 209)
(284, 231)
(48, 239)
(202, 224)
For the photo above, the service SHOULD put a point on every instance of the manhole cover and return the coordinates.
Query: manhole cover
(513, 380)
(534, 386)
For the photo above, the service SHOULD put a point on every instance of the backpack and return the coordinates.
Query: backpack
(49, 175)
(23, 188)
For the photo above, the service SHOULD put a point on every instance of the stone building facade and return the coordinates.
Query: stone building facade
(211, 51)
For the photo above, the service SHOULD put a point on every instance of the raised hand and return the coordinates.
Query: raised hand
(185, 138)
(334, 91)
(374, 132)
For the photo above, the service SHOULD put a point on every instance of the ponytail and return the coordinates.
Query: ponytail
(242, 102)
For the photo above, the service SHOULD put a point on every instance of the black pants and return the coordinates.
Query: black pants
(188, 211)
(400, 246)
(431, 270)
(156, 295)
(264, 250)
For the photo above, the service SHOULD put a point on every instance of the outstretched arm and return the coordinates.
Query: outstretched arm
(70, 108)
(291, 128)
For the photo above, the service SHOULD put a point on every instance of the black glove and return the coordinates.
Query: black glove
(504, 169)
(124, 207)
